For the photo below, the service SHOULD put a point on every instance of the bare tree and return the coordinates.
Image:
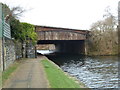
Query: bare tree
(15, 12)
(104, 34)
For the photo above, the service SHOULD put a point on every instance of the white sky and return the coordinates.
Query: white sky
(76, 14)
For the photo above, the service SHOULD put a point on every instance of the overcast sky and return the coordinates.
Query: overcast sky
(76, 14)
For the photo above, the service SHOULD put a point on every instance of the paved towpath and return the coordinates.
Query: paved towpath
(30, 74)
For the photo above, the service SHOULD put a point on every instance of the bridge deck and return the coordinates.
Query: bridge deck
(53, 33)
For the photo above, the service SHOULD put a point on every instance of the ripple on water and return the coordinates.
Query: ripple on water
(95, 73)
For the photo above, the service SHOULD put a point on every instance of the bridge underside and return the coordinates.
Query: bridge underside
(66, 46)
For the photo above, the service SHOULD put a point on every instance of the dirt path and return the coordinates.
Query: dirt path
(30, 74)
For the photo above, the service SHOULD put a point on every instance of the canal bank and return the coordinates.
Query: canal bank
(58, 78)
(94, 71)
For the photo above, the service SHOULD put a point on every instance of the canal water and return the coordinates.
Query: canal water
(94, 72)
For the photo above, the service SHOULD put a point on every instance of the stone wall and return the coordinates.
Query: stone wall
(18, 50)
(9, 52)
(13, 50)
(30, 50)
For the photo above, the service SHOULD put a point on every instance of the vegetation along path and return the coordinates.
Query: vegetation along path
(30, 74)
(39, 73)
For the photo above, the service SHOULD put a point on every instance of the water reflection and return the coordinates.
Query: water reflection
(95, 72)
(68, 59)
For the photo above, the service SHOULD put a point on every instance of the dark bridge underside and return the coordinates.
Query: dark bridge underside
(58, 41)
(66, 46)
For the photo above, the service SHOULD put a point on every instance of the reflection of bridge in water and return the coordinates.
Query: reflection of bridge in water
(65, 40)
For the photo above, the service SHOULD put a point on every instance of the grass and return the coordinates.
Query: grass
(6, 74)
(57, 78)
(0, 78)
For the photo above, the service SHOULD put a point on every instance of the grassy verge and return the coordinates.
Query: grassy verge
(6, 74)
(57, 78)
(0, 79)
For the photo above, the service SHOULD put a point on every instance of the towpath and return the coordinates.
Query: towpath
(30, 74)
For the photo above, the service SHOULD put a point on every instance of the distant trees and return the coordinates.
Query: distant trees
(22, 32)
(104, 37)
(19, 31)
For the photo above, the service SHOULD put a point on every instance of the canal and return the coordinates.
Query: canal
(94, 72)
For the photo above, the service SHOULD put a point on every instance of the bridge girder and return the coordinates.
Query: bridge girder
(53, 33)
